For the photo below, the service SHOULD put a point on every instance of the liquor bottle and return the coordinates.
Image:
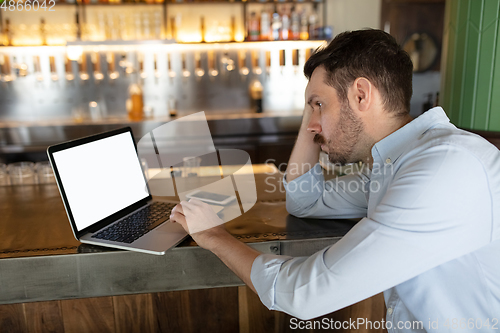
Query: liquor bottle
(7, 33)
(146, 27)
(233, 28)
(256, 89)
(304, 27)
(313, 23)
(276, 24)
(253, 27)
(137, 26)
(285, 26)
(265, 26)
(78, 27)
(295, 28)
(43, 34)
(202, 28)
(135, 112)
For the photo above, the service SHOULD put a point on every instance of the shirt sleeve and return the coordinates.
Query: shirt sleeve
(437, 208)
(311, 196)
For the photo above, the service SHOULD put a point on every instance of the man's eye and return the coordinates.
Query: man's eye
(319, 104)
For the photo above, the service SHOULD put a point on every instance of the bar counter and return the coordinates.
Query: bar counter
(41, 259)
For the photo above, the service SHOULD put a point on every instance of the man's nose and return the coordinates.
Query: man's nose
(314, 125)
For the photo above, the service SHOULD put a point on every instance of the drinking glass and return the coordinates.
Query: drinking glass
(191, 166)
(44, 172)
(4, 175)
(22, 173)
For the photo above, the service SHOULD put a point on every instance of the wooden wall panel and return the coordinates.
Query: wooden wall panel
(44, 317)
(12, 318)
(203, 310)
(372, 309)
(134, 313)
(233, 309)
(88, 315)
(254, 316)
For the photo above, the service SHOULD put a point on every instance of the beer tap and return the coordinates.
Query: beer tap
(113, 73)
(199, 71)
(227, 62)
(212, 64)
(140, 60)
(96, 64)
(185, 72)
(282, 60)
(38, 68)
(53, 69)
(268, 62)
(295, 60)
(171, 72)
(6, 74)
(69, 69)
(244, 71)
(255, 63)
(157, 72)
(21, 68)
(82, 64)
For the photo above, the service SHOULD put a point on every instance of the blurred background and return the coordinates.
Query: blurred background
(70, 69)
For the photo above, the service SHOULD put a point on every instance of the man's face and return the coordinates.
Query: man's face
(337, 129)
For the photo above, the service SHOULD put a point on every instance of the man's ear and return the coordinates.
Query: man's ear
(360, 94)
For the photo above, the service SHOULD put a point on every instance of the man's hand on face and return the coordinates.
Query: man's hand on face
(200, 221)
(306, 117)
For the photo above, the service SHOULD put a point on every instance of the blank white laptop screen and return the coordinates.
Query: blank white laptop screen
(101, 178)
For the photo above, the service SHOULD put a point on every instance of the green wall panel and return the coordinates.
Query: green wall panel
(484, 78)
(494, 114)
(469, 83)
(490, 12)
(470, 87)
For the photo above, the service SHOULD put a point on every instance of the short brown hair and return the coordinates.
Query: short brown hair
(369, 53)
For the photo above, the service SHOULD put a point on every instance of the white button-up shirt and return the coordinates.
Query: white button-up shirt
(429, 239)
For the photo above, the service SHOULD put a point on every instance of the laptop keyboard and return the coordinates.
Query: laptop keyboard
(134, 226)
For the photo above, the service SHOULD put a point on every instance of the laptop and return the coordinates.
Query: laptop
(106, 195)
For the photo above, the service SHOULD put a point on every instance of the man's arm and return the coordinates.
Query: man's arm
(236, 255)
(307, 193)
(305, 153)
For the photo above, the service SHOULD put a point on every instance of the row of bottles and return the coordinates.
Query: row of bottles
(288, 23)
(171, 1)
(141, 25)
(265, 22)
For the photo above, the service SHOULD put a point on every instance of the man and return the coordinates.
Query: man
(430, 199)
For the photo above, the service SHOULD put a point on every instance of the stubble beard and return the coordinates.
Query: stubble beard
(341, 151)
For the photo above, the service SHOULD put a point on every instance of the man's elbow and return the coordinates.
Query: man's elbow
(293, 209)
(301, 313)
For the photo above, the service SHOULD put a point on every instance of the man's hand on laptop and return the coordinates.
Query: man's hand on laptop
(200, 221)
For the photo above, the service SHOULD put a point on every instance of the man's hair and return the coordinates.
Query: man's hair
(372, 54)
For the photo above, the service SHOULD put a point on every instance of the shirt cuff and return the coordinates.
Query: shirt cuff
(264, 274)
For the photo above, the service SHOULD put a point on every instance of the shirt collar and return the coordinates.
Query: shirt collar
(390, 148)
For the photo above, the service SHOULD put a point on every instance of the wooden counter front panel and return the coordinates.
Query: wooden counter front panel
(232, 309)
